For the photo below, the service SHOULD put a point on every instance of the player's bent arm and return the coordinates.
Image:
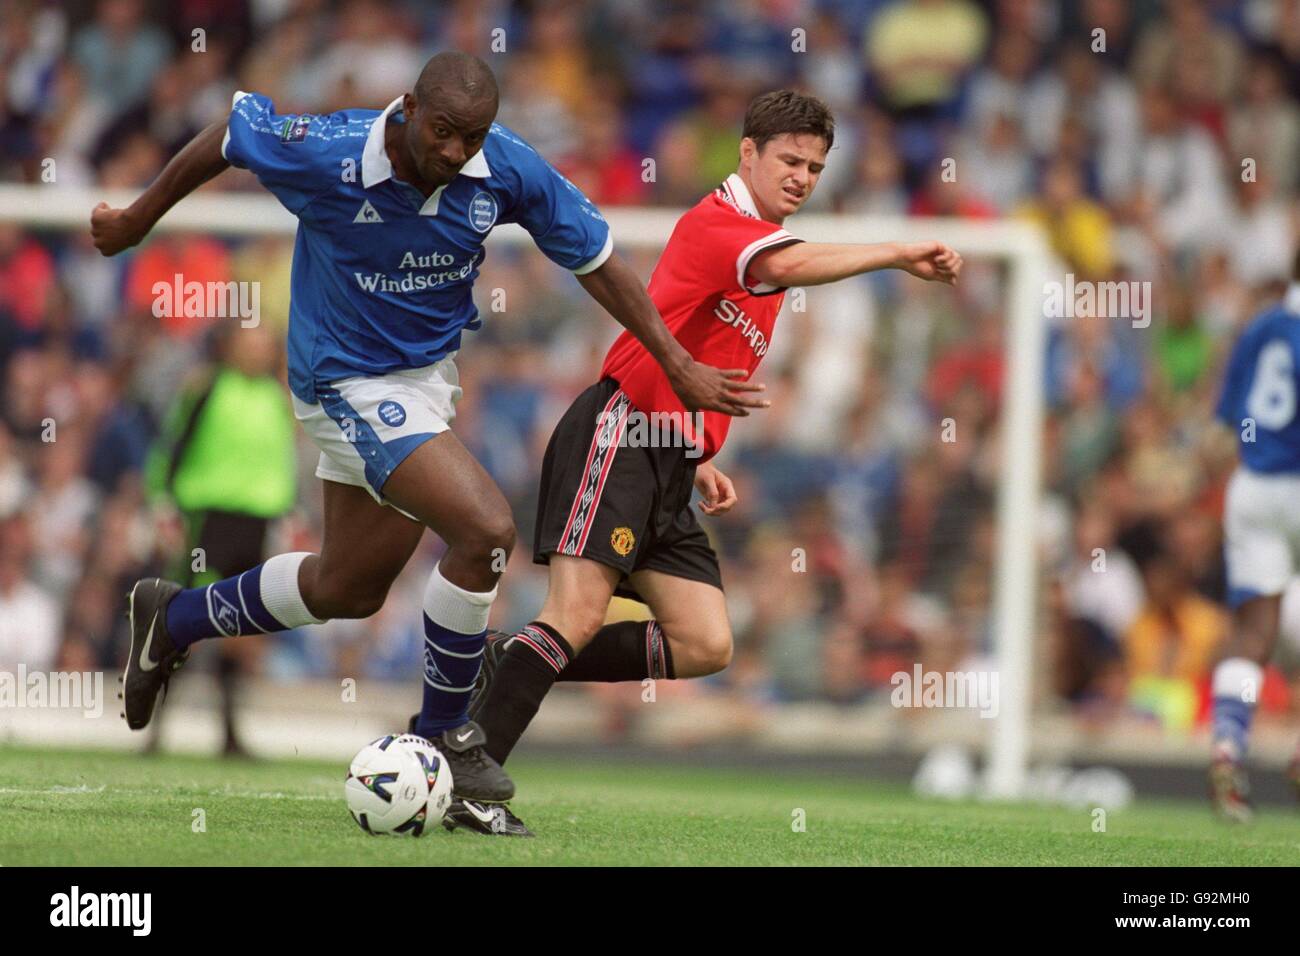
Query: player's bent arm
(616, 287)
(816, 263)
(114, 230)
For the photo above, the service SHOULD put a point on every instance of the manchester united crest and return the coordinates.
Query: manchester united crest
(622, 540)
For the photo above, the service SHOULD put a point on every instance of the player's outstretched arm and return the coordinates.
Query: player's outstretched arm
(816, 263)
(114, 230)
(700, 387)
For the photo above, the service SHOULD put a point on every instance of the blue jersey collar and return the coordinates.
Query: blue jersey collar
(1292, 300)
(376, 167)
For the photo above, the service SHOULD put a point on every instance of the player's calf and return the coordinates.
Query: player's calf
(706, 650)
(1235, 687)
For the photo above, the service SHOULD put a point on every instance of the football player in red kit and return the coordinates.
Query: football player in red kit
(614, 509)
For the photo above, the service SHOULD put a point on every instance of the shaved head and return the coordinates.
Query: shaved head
(451, 73)
(448, 117)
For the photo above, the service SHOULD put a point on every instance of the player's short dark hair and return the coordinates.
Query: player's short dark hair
(788, 111)
(1295, 267)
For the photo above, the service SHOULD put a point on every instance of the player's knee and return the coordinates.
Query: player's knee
(367, 603)
(1256, 646)
(1253, 636)
(578, 619)
(716, 651)
(584, 622)
(701, 653)
(492, 540)
(341, 598)
(501, 536)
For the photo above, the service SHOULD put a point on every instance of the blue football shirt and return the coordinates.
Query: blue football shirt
(1260, 389)
(382, 276)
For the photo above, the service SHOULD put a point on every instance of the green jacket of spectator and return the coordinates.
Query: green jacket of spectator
(227, 445)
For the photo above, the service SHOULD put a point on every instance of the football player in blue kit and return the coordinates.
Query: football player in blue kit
(393, 208)
(1261, 531)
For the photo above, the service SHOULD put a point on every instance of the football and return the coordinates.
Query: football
(398, 785)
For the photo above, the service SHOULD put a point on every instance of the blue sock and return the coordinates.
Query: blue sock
(1231, 721)
(451, 663)
(262, 600)
(455, 628)
(1235, 686)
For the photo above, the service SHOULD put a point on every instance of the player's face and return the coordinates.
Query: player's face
(784, 172)
(445, 135)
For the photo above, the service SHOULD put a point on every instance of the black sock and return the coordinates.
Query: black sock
(628, 650)
(533, 659)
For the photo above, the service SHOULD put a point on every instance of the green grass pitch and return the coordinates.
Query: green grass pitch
(114, 809)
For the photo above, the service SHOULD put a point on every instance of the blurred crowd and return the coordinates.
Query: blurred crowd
(1153, 141)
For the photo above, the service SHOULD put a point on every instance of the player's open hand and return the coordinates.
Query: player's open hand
(113, 230)
(718, 491)
(932, 261)
(705, 388)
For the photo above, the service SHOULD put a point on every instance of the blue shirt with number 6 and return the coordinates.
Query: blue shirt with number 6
(1260, 389)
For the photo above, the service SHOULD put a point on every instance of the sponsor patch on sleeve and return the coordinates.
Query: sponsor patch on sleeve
(294, 129)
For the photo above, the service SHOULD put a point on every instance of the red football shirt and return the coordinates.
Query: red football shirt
(709, 302)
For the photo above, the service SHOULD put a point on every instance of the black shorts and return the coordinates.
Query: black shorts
(231, 543)
(624, 506)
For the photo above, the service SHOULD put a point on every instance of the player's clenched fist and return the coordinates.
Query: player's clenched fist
(113, 230)
(718, 491)
(930, 260)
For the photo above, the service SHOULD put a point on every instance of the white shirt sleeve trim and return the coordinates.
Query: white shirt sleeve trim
(1293, 298)
(593, 264)
(225, 140)
(780, 237)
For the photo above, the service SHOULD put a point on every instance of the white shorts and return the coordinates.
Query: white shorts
(1261, 529)
(366, 426)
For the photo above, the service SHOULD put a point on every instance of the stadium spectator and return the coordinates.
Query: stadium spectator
(1078, 228)
(190, 261)
(27, 279)
(1172, 643)
(603, 166)
(29, 617)
(919, 51)
(120, 52)
(1265, 124)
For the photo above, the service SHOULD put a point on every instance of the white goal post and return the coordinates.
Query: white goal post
(1020, 245)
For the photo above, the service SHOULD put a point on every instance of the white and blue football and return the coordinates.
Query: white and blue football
(399, 785)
